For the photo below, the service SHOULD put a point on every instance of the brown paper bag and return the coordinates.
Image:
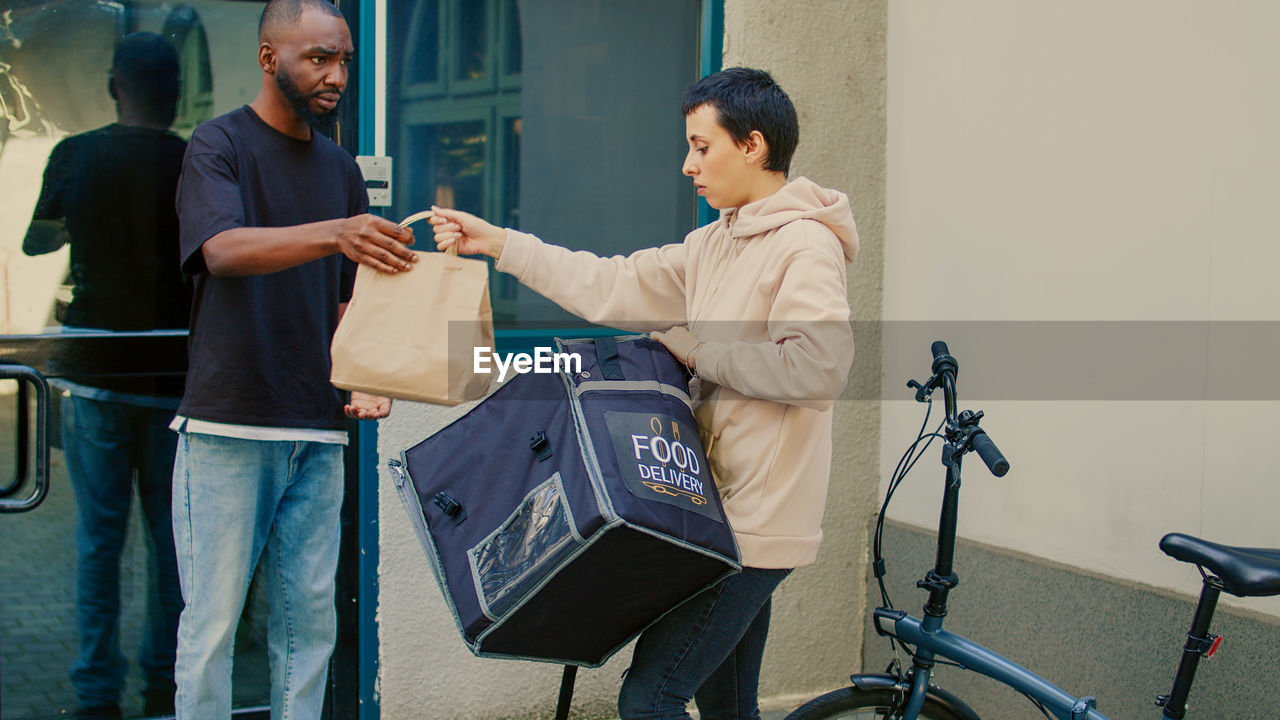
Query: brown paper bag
(413, 335)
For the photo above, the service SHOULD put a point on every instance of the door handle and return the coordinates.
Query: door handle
(40, 485)
(21, 446)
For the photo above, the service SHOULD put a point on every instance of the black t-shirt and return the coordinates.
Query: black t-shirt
(260, 344)
(114, 188)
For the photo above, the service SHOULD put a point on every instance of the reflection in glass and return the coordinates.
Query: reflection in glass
(511, 172)
(424, 47)
(472, 47)
(512, 62)
(502, 286)
(185, 30)
(53, 83)
(454, 172)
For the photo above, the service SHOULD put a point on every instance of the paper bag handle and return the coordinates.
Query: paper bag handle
(453, 249)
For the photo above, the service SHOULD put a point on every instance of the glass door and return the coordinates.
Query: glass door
(91, 300)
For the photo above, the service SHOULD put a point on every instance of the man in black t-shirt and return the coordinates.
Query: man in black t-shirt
(109, 193)
(272, 216)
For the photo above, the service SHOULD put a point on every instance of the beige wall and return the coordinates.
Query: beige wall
(830, 57)
(1091, 161)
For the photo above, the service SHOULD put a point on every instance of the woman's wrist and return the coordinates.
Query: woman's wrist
(691, 361)
(497, 243)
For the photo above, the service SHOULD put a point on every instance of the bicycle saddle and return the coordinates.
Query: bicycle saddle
(1245, 572)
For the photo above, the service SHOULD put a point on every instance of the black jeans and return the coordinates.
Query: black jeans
(708, 648)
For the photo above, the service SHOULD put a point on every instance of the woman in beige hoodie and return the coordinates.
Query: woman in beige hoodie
(755, 304)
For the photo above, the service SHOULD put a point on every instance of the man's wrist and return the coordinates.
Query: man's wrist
(340, 229)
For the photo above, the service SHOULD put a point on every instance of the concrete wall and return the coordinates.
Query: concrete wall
(1054, 169)
(1090, 162)
(830, 56)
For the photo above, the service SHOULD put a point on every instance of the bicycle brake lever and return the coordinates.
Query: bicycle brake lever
(922, 391)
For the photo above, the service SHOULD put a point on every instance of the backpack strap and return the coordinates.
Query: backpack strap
(607, 358)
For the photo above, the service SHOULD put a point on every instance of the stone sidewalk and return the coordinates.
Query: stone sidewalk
(37, 602)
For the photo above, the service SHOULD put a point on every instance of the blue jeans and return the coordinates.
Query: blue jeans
(107, 446)
(709, 649)
(235, 501)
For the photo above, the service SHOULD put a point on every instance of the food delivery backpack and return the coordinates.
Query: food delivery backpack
(571, 508)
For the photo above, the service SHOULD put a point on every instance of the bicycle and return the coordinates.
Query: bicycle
(908, 695)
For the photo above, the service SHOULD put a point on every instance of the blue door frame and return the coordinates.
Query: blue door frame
(710, 50)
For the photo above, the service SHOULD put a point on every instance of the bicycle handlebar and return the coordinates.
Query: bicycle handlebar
(960, 425)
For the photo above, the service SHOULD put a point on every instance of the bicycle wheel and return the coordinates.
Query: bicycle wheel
(852, 703)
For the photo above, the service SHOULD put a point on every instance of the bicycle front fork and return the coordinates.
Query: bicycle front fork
(919, 689)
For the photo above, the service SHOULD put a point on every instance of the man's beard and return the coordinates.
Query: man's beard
(321, 122)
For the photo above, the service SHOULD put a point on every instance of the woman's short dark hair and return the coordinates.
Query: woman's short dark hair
(746, 99)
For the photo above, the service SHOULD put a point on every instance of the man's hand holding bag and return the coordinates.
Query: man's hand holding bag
(412, 336)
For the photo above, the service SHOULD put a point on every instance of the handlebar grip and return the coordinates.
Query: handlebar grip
(943, 363)
(990, 454)
(939, 349)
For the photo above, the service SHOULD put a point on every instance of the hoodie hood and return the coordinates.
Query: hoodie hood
(799, 199)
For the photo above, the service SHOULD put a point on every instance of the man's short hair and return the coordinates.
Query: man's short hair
(746, 99)
(285, 13)
(145, 67)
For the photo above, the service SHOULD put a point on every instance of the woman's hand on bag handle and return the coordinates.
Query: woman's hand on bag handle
(377, 242)
(472, 235)
(681, 343)
(364, 406)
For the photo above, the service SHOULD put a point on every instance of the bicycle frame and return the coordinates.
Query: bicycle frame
(930, 644)
(930, 641)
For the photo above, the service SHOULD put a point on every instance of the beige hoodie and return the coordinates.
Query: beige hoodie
(764, 288)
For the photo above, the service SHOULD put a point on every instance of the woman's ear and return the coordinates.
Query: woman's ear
(756, 147)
